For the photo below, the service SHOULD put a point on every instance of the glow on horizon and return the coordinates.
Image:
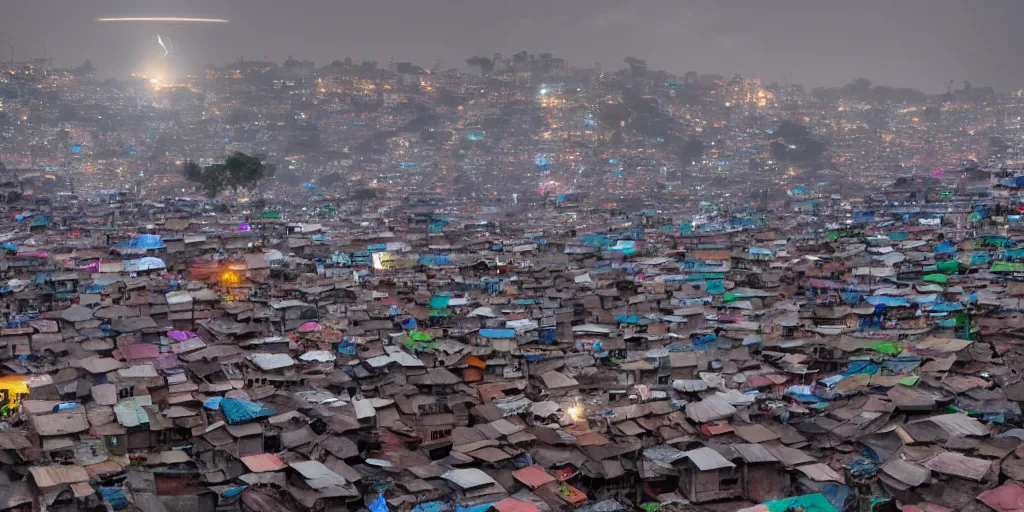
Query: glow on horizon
(169, 18)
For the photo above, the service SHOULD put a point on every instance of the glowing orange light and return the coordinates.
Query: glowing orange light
(229, 278)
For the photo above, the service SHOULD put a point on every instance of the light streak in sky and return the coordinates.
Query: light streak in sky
(167, 18)
(162, 45)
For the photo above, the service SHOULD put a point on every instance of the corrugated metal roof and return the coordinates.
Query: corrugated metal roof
(689, 385)
(533, 476)
(820, 473)
(663, 453)
(957, 464)
(1008, 497)
(263, 462)
(711, 408)
(959, 425)
(556, 380)
(61, 423)
(790, 456)
(317, 475)
(753, 453)
(266, 361)
(468, 478)
(364, 409)
(52, 476)
(755, 433)
(707, 459)
(907, 472)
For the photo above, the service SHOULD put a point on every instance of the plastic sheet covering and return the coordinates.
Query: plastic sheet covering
(379, 505)
(237, 410)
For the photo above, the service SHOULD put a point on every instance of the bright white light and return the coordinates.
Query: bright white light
(167, 18)
(575, 412)
(543, 92)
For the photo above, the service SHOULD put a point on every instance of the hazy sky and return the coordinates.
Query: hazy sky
(917, 43)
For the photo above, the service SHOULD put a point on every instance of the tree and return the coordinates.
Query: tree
(330, 180)
(486, 65)
(212, 182)
(617, 139)
(692, 151)
(289, 177)
(85, 69)
(637, 67)
(859, 88)
(794, 145)
(364, 194)
(238, 171)
(997, 147)
(63, 139)
(521, 61)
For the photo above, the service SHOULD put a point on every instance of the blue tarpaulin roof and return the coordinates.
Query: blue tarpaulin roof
(886, 301)
(379, 505)
(115, 497)
(143, 241)
(430, 506)
(475, 508)
(237, 410)
(433, 260)
(498, 333)
(213, 403)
